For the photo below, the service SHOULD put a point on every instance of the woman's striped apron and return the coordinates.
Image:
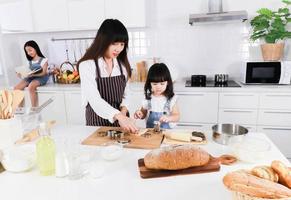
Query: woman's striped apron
(111, 89)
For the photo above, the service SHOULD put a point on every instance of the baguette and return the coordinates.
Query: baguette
(283, 171)
(176, 157)
(265, 172)
(246, 183)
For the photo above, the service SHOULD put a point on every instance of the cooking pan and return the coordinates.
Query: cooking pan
(223, 132)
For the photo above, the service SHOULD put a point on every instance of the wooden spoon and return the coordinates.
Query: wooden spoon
(4, 103)
(8, 109)
(18, 96)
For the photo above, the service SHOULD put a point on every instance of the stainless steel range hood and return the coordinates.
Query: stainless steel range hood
(215, 14)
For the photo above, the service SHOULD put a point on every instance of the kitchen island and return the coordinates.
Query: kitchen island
(121, 178)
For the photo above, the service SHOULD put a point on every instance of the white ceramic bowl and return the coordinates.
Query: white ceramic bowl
(111, 151)
(18, 158)
(250, 149)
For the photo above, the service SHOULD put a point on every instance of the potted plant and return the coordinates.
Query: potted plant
(271, 27)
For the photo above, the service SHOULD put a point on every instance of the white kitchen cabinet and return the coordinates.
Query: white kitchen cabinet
(195, 126)
(238, 108)
(281, 136)
(50, 15)
(132, 13)
(275, 101)
(74, 112)
(238, 100)
(275, 117)
(85, 14)
(56, 110)
(238, 116)
(198, 107)
(135, 103)
(15, 16)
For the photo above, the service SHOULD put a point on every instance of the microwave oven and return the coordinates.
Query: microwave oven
(266, 72)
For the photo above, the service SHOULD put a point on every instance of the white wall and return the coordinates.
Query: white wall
(199, 49)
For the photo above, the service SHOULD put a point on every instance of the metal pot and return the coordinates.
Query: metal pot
(223, 132)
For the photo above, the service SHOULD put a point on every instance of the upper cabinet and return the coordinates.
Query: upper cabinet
(15, 16)
(50, 15)
(67, 15)
(85, 14)
(132, 13)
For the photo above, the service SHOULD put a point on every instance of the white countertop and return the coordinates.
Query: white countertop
(121, 179)
(179, 86)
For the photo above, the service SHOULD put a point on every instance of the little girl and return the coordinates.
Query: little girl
(36, 61)
(160, 104)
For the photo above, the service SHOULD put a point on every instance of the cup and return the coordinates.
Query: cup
(10, 131)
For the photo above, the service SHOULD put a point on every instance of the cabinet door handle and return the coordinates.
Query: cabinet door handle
(187, 125)
(277, 112)
(238, 111)
(278, 95)
(238, 95)
(190, 94)
(278, 129)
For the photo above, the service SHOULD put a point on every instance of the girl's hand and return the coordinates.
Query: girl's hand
(18, 75)
(126, 123)
(138, 114)
(165, 119)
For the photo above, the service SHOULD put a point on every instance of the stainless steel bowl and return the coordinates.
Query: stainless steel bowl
(223, 132)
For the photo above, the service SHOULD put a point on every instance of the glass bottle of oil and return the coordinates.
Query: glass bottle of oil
(45, 151)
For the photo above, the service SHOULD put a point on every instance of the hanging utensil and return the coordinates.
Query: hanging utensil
(74, 52)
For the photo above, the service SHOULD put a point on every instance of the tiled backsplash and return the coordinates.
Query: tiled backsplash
(200, 49)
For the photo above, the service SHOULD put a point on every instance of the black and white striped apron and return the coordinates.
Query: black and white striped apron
(111, 89)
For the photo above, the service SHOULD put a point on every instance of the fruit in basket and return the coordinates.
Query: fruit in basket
(65, 76)
(76, 73)
(70, 77)
(69, 72)
(77, 77)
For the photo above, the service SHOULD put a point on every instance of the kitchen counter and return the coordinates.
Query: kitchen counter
(179, 86)
(121, 179)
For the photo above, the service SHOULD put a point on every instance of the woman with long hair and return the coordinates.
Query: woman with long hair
(36, 61)
(104, 72)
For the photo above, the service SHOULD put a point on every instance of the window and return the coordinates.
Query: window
(138, 44)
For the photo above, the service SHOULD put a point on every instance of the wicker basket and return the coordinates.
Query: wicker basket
(60, 78)
(241, 196)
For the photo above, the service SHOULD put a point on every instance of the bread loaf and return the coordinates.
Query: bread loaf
(265, 172)
(283, 171)
(176, 157)
(246, 183)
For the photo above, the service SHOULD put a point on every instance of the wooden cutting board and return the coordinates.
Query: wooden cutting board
(136, 141)
(212, 166)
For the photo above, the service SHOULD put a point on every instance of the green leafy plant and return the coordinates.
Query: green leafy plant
(271, 25)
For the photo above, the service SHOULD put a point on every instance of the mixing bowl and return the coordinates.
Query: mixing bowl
(223, 132)
(250, 149)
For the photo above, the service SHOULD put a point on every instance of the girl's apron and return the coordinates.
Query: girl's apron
(155, 116)
(111, 89)
(35, 66)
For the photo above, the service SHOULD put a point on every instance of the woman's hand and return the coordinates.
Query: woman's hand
(126, 123)
(138, 114)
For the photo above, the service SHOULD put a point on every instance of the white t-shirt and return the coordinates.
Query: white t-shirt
(158, 103)
(44, 60)
(90, 93)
